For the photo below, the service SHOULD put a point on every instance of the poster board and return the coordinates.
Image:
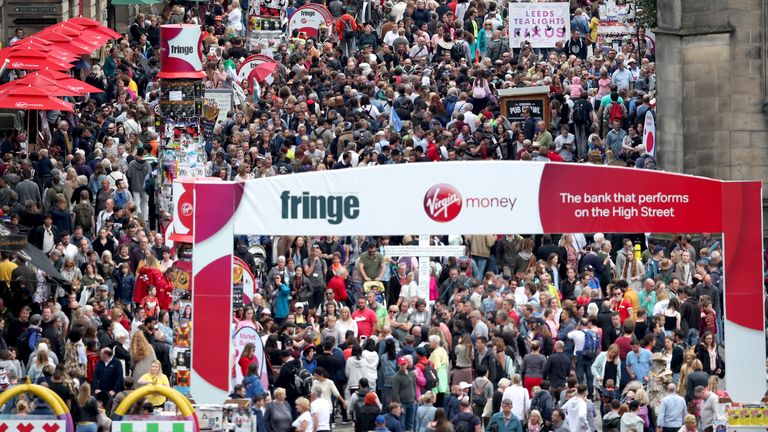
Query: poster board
(617, 21)
(307, 19)
(514, 101)
(542, 25)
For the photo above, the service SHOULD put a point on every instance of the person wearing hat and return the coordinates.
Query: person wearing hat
(367, 415)
(404, 392)
(381, 424)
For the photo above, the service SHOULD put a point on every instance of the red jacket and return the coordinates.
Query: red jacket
(432, 152)
(152, 276)
(339, 287)
(340, 24)
(554, 157)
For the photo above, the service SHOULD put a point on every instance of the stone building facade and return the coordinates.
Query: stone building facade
(712, 64)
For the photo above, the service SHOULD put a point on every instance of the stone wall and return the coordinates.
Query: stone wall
(711, 68)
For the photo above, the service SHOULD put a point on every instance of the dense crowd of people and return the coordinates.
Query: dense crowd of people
(534, 333)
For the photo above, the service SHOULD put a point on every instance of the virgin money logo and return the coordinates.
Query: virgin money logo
(186, 209)
(26, 105)
(442, 203)
(18, 65)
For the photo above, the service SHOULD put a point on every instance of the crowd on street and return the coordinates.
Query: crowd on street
(577, 332)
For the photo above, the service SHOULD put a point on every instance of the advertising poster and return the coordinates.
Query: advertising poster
(541, 24)
(241, 338)
(307, 19)
(616, 21)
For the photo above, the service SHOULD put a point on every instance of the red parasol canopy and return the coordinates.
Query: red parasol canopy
(30, 98)
(262, 71)
(32, 59)
(69, 82)
(94, 26)
(70, 42)
(39, 82)
(50, 50)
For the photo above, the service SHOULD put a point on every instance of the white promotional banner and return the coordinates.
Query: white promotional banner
(308, 18)
(241, 338)
(351, 201)
(649, 134)
(223, 100)
(540, 24)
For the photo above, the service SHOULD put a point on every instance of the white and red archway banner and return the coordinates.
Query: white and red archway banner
(478, 198)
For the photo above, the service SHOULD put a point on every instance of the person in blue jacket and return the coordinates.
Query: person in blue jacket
(252, 382)
(505, 421)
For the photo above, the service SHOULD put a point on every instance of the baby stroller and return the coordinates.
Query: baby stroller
(378, 288)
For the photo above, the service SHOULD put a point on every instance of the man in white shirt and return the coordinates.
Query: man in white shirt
(564, 144)
(576, 411)
(321, 411)
(521, 401)
(709, 405)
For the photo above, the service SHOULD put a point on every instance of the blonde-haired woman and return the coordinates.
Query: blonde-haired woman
(42, 360)
(142, 354)
(345, 322)
(235, 17)
(277, 415)
(439, 359)
(303, 422)
(425, 413)
(535, 422)
(571, 252)
(155, 376)
(688, 357)
(86, 410)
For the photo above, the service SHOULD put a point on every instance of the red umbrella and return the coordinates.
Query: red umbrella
(51, 50)
(95, 26)
(68, 42)
(91, 27)
(39, 82)
(262, 71)
(30, 98)
(32, 60)
(69, 82)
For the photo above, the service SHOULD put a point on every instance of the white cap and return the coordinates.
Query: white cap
(464, 385)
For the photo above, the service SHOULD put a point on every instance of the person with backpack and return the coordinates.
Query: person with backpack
(293, 380)
(543, 402)
(347, 29)
(138, 170)
(466, 420)
(586, 342)
(404, 393)
(612, 109)
(582, 120)
(481, 391)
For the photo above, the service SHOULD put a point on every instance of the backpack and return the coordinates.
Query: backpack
(302, 382)
(349, 31)
(548, 347)
(616, 112)
(580, 115)
(457, 52)
(462, 425)
(149, 184)
(478, 395)
(478, 92)
(430, 375)
(591, 343)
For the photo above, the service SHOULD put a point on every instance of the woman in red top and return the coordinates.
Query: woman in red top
(247, 357)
